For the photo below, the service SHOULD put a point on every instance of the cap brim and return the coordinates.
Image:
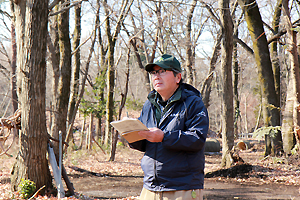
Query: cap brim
(149, 67)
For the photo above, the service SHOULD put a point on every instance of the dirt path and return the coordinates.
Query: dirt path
(112, 187)
(232, 190)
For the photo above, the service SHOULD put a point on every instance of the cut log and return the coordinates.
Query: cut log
(243, 145)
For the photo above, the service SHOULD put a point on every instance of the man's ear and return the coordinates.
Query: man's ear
(178, 77)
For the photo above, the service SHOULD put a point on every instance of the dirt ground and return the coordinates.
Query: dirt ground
(255, 186)
(93, 177)
(119, 187)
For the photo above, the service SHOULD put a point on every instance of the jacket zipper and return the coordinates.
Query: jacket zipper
(158, 124)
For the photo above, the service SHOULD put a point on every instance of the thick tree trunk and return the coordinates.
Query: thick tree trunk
(226, 70)
(271, 103)
(31, 30)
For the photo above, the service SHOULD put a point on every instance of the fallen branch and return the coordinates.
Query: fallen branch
(37, 192)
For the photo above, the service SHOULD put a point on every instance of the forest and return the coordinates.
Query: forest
(75, 66)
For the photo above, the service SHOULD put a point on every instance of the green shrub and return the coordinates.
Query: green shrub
(26, 188)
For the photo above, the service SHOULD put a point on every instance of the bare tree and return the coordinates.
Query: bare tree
(189, 52)
(226, 70)
(266, 76)
(291, 120)
(76, 55)
(274, 46)
(13, 60)
(112, 37)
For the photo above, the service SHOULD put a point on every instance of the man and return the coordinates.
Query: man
(177, 119)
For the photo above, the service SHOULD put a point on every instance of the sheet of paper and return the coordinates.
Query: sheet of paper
(129, 128)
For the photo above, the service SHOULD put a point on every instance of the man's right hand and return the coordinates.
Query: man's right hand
(153, 135)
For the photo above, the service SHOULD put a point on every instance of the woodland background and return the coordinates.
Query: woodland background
(65, 59)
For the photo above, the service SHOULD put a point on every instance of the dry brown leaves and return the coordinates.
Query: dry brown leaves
(127, 162)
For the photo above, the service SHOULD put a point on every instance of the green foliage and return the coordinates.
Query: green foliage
(26, 188)
(295, 150)
(297, 29)
(133, 104)
(120, 144)
(270, 130)
(96, 103)
(277, 160)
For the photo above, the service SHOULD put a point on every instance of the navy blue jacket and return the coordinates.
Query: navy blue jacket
(176, 163)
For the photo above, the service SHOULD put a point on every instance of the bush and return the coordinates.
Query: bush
(26, 188)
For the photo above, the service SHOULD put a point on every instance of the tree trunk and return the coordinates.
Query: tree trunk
(271, 104)
(63, 87)
(82, 132)
(90, 132)
(75, 81)
(112, 37)
(226, 70)
(123, 101)
(31, 30)
(189, 51)
(98, 129)
(13, 61)
(110, 95)
(274, 48)
(54, 58)
(206, 87)
(236, 70)
(13, 65)
(292, 101)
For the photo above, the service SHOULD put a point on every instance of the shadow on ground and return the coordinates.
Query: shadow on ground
(101, 186)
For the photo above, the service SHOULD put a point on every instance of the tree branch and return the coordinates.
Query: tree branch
(66, 8)
(243, 44)
(277, 36)
(54, 3)
(211, 12)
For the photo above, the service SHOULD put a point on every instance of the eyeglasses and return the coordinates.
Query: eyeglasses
(160, 72)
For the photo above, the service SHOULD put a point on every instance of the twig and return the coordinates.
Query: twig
(98, 145)
(35, 194)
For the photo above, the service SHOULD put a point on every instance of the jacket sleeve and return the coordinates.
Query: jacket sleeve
(139, 145)
(190, 134)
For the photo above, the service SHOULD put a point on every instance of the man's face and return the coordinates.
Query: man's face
(166, 82)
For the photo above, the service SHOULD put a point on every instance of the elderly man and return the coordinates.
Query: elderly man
(177, 119)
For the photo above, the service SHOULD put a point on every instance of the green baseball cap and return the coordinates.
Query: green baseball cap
(165, 61)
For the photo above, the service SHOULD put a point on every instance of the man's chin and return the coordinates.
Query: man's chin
(158, 89)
